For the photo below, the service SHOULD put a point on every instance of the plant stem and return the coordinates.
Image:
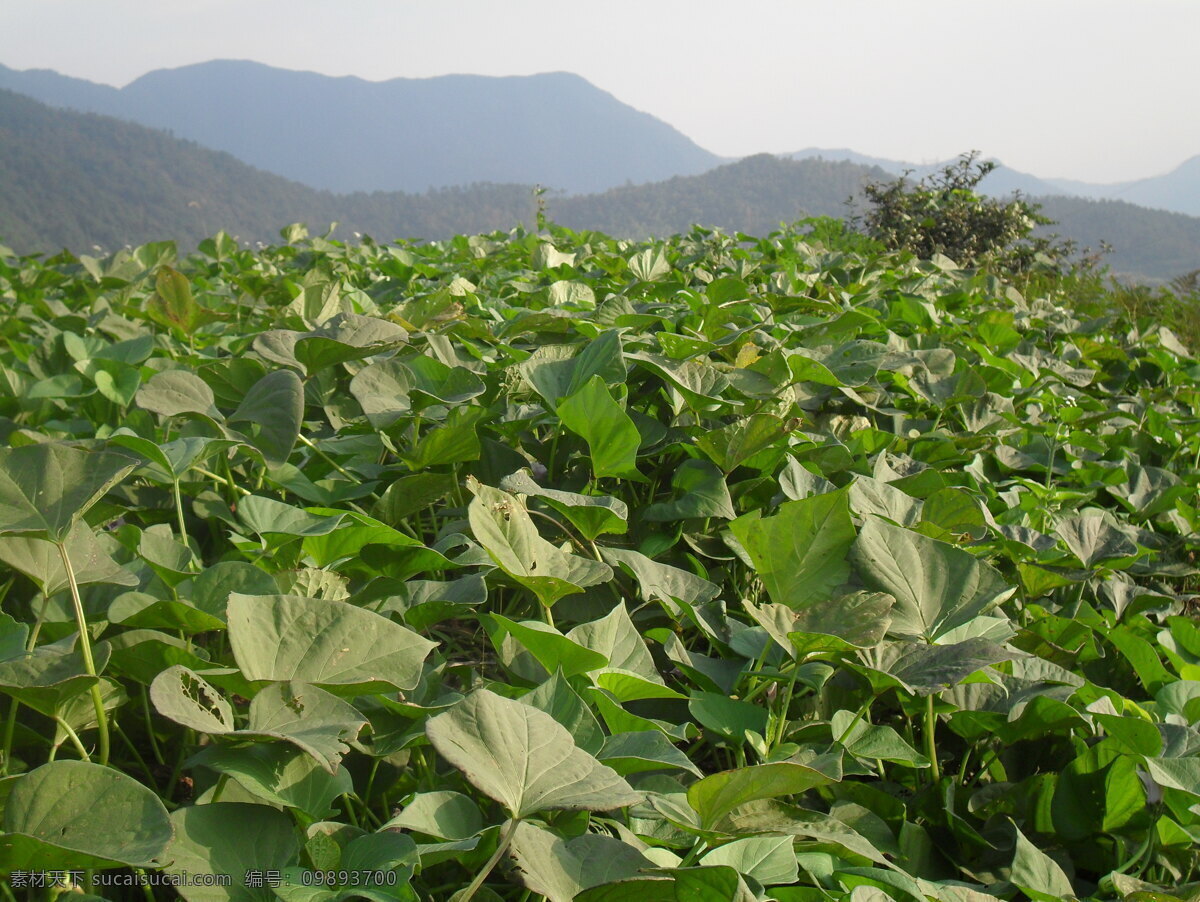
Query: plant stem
(85, 647)
(781, 728)
(930, 741)
(10, 728)
(505, 841)
(71, 734)
(158, 756)
(325, 457)
(136, 754)
(857, 717)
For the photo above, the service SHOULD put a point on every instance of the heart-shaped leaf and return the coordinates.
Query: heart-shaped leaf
(523, 758)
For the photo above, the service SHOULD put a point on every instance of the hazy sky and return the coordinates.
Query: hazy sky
(1102, 90)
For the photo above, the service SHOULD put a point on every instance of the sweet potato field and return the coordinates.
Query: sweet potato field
(705, 569)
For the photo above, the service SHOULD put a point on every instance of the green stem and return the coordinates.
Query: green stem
(85, 647)
(329, 460)
(158, 755)
(857, 717)
(37, 625)
(10, 728)
(66, 728)
(221, 479)
(930, 740)
(147, 891)
(781, 726)
(136, 754)
(183, 536)
(505, 841)
(349, 808)
(755, 685)
(699, 847)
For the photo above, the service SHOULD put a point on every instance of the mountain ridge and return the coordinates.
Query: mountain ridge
(347, 134)
(1176, 191)
(76, 180)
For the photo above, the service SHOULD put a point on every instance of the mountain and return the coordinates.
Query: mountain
(1000, 182)
(1177, 191)
(753, 195)
(406, 134)
(76, 180)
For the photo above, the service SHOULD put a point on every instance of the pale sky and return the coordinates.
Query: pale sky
(1100, 90)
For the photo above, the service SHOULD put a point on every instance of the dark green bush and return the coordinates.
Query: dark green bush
(943, 214)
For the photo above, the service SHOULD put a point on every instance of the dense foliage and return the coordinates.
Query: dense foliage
(943, 214)
(551, 565)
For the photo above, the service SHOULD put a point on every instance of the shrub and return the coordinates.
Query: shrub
(942, 214)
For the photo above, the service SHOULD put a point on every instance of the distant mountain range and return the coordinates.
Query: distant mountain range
(406, 134)
(1177, 190)
(75, 180)
(411, 134)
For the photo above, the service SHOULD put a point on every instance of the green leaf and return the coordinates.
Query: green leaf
(1094, 535)
(444, 814)
(717, 795)
(213, 586)
(592, 515)
(925, 669)
(343, 337)
(612, 438)
(281, 775)
(313, 720)
(616, 638)
(505, 530)
(523, 758)
(382, 391)
(173, 393)
(560, 869)
(72, 814)
(13, 636)
(449, 442)
(1098, 792)
(329, 643)
(770, 860)
(40, 560)
(871, 497)
(556, 697)
(366, 869)
(873, 741)
(937, 587)
(552, 649)
(662, 581)
(631, 753)
(229, 838)
(265, 516)
(50, 675)
(731, 446)
(1037, 874)
(703, 493)
(800, 553)
(45, 488)
(413, 493)
(728, 717)
(272, 410)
